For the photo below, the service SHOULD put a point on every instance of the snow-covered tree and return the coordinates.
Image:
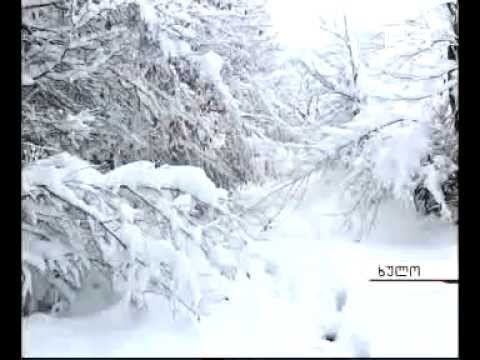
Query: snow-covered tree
(119, 81)
(133, 231)
(335, 71)
(397, 137)
(164, 82)
(421, 79)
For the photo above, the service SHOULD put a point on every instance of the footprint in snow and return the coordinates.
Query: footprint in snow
(359, 345)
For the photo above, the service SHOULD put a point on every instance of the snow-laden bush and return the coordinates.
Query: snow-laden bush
(137, 229)
(385, 156)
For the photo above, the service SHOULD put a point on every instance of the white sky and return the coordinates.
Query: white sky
(295, 20)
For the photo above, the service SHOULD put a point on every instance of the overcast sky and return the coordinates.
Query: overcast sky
(296, 20)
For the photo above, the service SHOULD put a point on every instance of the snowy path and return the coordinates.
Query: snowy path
(287, 314)
(402, 319)
(266, 316)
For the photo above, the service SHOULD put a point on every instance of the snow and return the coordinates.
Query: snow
(53, 171)
(174, 48)
(148, 11)
(194, 181)
(286, 312)
(189, 179)
(78, 122)
(432, 181)
(210, 66)
(60, 174)
(400, 155)
(402, 319)
(305, 280)
(27, 79)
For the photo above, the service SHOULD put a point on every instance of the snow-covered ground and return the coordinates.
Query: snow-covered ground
(404, 319)
(313, 270)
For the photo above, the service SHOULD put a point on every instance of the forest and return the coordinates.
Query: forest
(222, 177)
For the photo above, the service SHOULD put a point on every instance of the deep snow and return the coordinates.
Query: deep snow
(285, 311)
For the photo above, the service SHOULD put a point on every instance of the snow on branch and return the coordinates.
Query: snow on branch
(157, 216)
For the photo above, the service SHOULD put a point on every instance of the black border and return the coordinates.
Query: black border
(463, 177)
(12, 153)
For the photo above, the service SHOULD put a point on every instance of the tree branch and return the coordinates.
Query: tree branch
(102, 224)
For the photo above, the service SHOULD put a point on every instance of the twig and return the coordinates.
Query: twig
(102, 224)
(170, 292)
(367, 135)
(148, 203)
(31, 230)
